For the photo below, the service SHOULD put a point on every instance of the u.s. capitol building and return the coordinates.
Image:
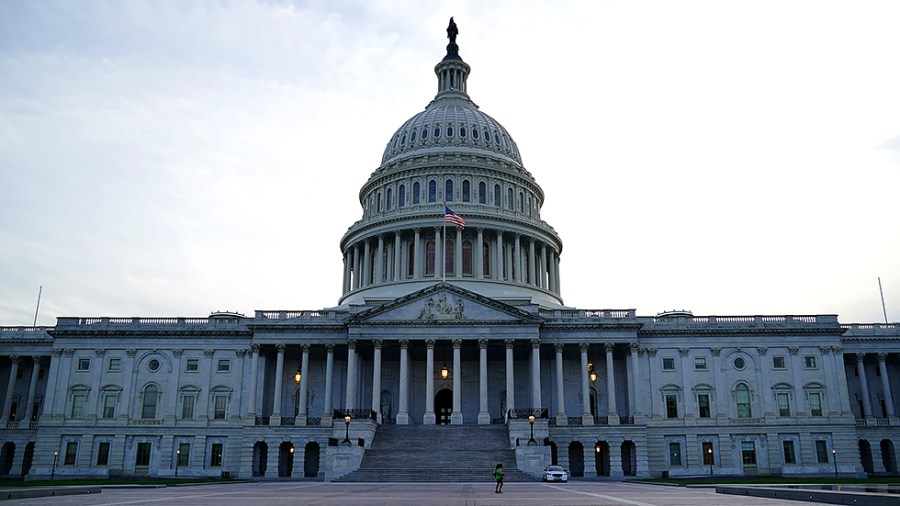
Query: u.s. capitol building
(449, 339)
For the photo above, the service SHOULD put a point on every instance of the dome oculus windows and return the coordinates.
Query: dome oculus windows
(153, 365)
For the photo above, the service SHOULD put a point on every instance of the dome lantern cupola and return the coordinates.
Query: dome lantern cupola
(452, 72)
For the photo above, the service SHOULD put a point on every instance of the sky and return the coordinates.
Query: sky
(171, 158)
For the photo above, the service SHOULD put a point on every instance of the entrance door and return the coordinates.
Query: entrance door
(443, 406)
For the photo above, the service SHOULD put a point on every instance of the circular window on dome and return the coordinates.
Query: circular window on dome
(462, 131)
(739, 363)
(153, 365)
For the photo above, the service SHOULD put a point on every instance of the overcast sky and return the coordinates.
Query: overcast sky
(172, 158)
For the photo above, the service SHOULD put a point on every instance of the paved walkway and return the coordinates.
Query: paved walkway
(452, 494)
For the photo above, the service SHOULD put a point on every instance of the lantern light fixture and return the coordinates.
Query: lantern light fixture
(445, 373)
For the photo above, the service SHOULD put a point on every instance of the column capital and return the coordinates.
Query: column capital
(417, 230)
(376, 343)
(609, 347)
(404, 344)
(69, 352)
(35, 358)
(536, 343)
(100, 352)
(254, 348)
(882, 357)
(651, 351)
(304, 347)
(509, 343)
(131, 352)
(14, 358)
(351, 344)
(239, 353)
(584, 347)
(684, 351)
(55, 352)
(837, 350)
(825, 350)
(762, 350)
(209, 352)
(280, 347)
(177, 352)
(483, 344)
(634, 347)
(559, 347)
(329, 347)
(716, 351)
(457, 344)
(480, 230)
(793, 350)
(860, 357)
(429, 343)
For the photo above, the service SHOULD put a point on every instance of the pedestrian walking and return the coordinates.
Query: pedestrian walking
(498, 476)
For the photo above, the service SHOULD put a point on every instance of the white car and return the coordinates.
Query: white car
(556, 473)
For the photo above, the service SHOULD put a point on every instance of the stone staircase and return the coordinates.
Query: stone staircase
(437, 453)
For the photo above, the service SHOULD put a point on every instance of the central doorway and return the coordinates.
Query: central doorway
(443, 406)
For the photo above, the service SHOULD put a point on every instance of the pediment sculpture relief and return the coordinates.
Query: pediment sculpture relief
(445, 309)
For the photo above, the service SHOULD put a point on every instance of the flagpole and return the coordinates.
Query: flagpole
(41, 289)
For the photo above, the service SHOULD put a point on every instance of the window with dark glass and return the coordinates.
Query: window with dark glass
(378, 202)
(432, 191)
(821, 451)
(148, 405)
(103, 453)
(449, 131)
(497, 195)
(742, 400)
(449, 256)
(466, 190)
(783, 402)
(187, 407)
(486, 260)
(787, 449)
(475, 133)
(416, 193)
(448, 190)
(220, 402)
(668, 364)
(71, 453)
(815, 404)
(410, 259)
(462, 131)
(778, 362)
(437, 132)
(390, 197)
(703, 405)
(215, 455)
(184, 454)
(671, 406)
(467, 258)
(412, 136)
(84, 364)
(429, 258)
(521, 202)
(810, 362)
(109, 405)
(403, 140)
(699, 363)
(401, 196)
(78, 401)
(115, 364)
(142, 457)
(482, 193)
(192, 365)
(748, 453)
(224, 365)
(424, 132)
(509, 198)
(708, 457)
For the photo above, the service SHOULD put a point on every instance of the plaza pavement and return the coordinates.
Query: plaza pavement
(394, 494)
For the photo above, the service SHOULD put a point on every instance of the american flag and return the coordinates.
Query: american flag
(452, 217)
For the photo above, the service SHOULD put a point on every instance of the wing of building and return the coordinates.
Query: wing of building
(450, 350)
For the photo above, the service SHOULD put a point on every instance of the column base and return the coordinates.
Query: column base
(562, 419)
(275, 420)
(428, 419)
(613, 419)
(327, 421)
(456, 418)
(402, 419)
(484, 418)
(587, 420)
(300, 420)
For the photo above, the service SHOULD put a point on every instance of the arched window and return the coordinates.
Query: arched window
(401, 195)
(448, 190)
(497, 195)
(410, 259)
(429, 258)
(378, 202)
(424, 132)
(509, 198)
(487, 136)
(437, 132)
(466, 191)
(521, 202)
(417, 191)
(432, 191)
(467, 258)
(462, 131)
(449, 131)
(742, 400)
(148, 404)
(412, 137)
(449, 256)
(474, 133)
(482, 193)
(390, 197)
(486, 260)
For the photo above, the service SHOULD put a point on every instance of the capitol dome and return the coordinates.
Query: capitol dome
(451, 156)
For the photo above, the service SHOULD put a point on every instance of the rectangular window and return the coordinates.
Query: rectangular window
(778, 362)
(703, 405)
(668, 364)
(821, 451)
(142, 458)
(78, 405)
(109, 406)
(783, 401)
(184, 454)
(815, 404)
(83, 364)
(192, 365)
(71, 453)
(103, 453)
(787, 447)
(810, 362)
(699, 363)
(675, 454)
(221, 402)
(215, 455)
(114, 365)
(748, 453)
(671, 406)
(224, 365)
(708, 458)
(187, 407)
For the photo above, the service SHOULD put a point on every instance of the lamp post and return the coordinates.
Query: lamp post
(531, 441)
(592, 374)
(55, 459)
(298, 375)
(834, 458)
(445, 373)
(709, 452)
(177, 460)
(347, 433)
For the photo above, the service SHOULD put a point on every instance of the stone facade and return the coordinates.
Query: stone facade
(449, 324)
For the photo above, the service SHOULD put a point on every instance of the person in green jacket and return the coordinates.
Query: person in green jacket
(498, 476)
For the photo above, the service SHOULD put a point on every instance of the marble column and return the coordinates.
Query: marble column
(510, 377)
(518, 259)
(612, 411)
(10, 388)
(52, 375)
(376, 379)
(886, 385)
(379, 261)
(841, 369)
(479, 254)
(536, 374)
(542, 269)
(587, 418)
(457, 257)
(32, 388)
(429, 418)
(561, 418)
(279, 383)
(498, 270)
(634, 407)
(484, 417)
(367, 264)
(864, 385)
(403, 411)
(357, 269)
(398, 254)
(417, 254)
(456, 417)
(346, 285)
(302, 408)
(532, 276)
(327, 400)
(351, 375)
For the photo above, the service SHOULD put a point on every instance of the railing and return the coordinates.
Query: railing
(25, 329)
(262, 420)
(288, 420)
(146, 422)
(746, 421)
(306, 315)
(882, 422)
(574, 420)
(587, 313)
(355, 414)
(314, 420)
(626, 420)
(601, 420)
(525, 413)
(758, 319)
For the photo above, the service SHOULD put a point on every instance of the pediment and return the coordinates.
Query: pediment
(444, 304)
